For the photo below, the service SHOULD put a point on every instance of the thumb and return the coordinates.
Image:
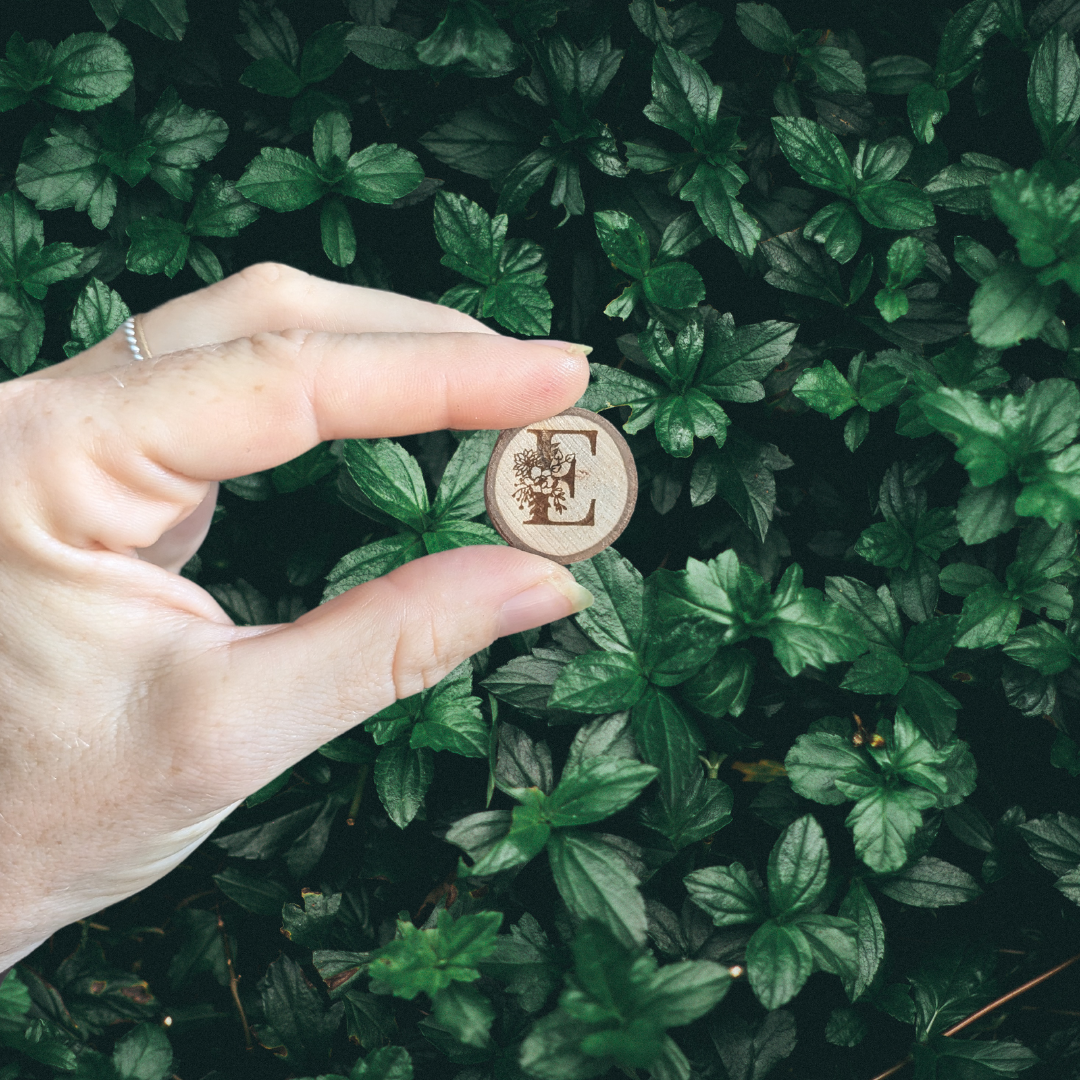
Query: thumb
(286, 690)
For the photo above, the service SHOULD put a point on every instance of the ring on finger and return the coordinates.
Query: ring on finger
(136, 338)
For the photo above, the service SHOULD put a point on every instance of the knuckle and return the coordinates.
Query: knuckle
(278, 348)
(262, 275)
(422, 654)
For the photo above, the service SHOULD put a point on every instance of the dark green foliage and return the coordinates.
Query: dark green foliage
(815, 744)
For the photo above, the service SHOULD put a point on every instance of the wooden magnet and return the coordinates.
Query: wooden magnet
(563, 488)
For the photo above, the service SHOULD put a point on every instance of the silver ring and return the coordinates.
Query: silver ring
(136, 339)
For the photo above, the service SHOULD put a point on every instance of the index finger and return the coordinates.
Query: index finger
(153, 433)
(269, 297)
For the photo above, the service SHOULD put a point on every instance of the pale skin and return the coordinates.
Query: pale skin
(136, 716)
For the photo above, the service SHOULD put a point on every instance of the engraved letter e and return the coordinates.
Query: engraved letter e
(543, 445)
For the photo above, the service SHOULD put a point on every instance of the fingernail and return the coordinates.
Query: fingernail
(555, 598)
(572, 347)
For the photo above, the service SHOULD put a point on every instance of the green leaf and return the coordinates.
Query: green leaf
(380, 173)
(614, 620)
(825, 390)
(798, 266)
(427, 961)
(895, 205)
(668, 739)
(282, 180)
(599, 682)
(807, 630)
(961, 43)
(723, 686)
(927, 106)
(297, 1020)
(743, 472)
(875, 612)
(390, 478)
(1054, 842)
(525, 839)
(859, 906)
(166, 19)
(402, 777)
(202, 951)
(964, 187)
(65, 171)
(460, 495)
(371, 561)
(798, 867)
(832, 942)
(674, 285)
(595, 883)
(512, 272)
(930, 883)
(383, 47)
(98, 312)
(263, 896)
(385, 1063)
(464, 1014)
(752, 1053)
(1010, 306)
(471, 239)
(616, 1007)
(338, 237)
(713, 192)
(879, 671)
(311, 925)
(989, 618)
(14, 996)
(884, 822)
(468, 35)
(897, 74)
(696, 810)
(836, 70)
(599, 788)
(816, 154)
(837, 226)
(449, 717)
(143, 1054)
(932, 708)
(87, 71)
(762, 25)
(816, 762)
(985, 512)
(323, 52)
(183, 138)
(929, 642)
(727, 894)
(1053, 492)
(158, 246)
(778, 961)
(684, 98)
(1000, 1057)
(1042, 647)
(270, 75)
(1053, 88)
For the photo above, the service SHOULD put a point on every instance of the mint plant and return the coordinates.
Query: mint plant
(797, 794)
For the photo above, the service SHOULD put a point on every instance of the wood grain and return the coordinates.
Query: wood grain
(563, 488)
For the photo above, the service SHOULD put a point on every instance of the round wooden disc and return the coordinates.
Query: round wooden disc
(563, 488)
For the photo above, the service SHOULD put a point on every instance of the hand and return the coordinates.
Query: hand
(135, 715)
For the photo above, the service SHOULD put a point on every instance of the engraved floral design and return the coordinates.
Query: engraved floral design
(545, 476)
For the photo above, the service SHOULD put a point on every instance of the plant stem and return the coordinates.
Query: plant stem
(233, 980)
(1010, 995)
(986, 1009)
(358, 794)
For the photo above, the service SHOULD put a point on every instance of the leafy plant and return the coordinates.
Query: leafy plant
(791, 940)
(815, 744)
